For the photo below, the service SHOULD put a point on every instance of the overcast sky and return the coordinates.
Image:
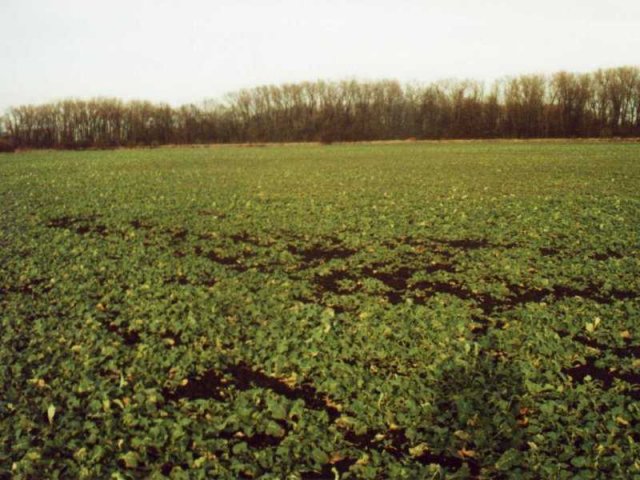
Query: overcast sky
(182, 51)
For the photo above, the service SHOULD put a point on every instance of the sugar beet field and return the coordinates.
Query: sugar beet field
(412, 310)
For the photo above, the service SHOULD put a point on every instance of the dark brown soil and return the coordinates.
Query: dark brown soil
(321, 253)
(605, 376)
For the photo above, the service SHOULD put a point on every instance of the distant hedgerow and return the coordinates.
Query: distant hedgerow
(6, 146)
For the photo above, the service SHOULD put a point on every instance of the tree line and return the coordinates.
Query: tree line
(603, 103)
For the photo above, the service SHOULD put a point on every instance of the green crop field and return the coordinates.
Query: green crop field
(411, 310)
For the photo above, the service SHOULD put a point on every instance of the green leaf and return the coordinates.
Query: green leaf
(277, 409)
(239, 448)
(320, 456)
(274, 430)
(580, 462)
(508, 459)
(130, 459)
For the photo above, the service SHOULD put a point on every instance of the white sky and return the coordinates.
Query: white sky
(188, 50)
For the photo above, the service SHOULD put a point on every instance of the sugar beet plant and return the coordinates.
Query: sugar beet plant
(374, 311)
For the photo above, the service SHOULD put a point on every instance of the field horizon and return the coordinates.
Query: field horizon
(399, 141)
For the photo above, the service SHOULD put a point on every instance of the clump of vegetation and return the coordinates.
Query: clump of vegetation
(443, 310)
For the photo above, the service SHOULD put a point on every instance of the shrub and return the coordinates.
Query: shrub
(606, 132)
(6, 146)
(327, 137)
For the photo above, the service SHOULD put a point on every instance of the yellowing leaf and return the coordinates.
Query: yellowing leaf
(51, 412)
(622, 421)
(463, 452)
(418, 449)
